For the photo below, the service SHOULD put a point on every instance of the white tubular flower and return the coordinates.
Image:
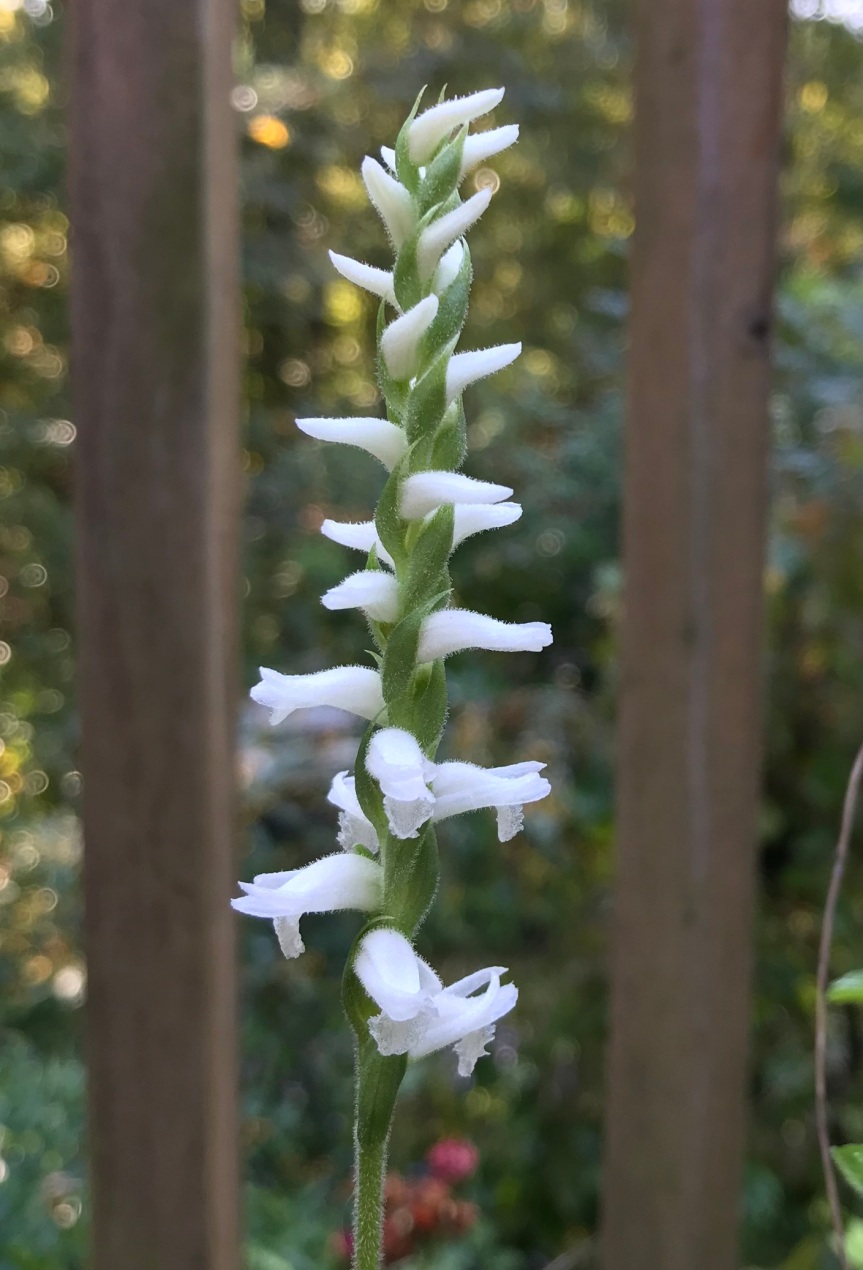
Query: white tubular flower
(397, 763)
(378, 437)
(401, 340)
(391, 200)
(461, 787)
(356, 689)
(335, 882)
(467, 368)
(475, 518)
(354, 829)
(401, 983)
(484, 145)
(378, 281)
(429, 129)
(372, 590)
(424, 492)
(466, 1022)
(455, 630)
(434, 240)
(448, 268)
(362, 536)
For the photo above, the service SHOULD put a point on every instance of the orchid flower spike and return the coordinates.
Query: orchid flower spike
(398, 795)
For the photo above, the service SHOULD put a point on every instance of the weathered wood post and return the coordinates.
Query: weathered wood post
(708, 112)
(155, 374)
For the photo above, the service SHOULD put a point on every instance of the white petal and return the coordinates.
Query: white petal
(394, 976)
(353, 688)
(362, 536)
(372, 590)
(454, 630)
(424, 492)
(378, 281)
(385, 440)
(391, 200)
(447, 270)
(483, 145)
(459, 1017)
(467, 368)
(354, 828)
(460, 787)
(401, 340)
(474, 518)
(434, 240)
(340, 881)
(397, 763)
(427, 131)
(389, 157)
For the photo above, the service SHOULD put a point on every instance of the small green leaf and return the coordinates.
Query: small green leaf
(412, 878)
(388, 520)
(428, 705)
(848, 990)
(406, 277)
(368, 791)
(428, 558)
(849, 1161)
(400, 658)
(406, 170)
(442, 175)
(452, 310)
(450, 441)
(427, 403)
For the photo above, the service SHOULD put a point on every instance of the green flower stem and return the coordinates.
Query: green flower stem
(371, 1165)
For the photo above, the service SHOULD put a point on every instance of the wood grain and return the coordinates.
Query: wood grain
(155, 381)
(708, 118)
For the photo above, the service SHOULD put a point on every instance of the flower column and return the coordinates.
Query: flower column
(397, 1004)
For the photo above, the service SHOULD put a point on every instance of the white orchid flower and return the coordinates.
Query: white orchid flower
(378, 281)
(435, 238)
(476, 518)
(378, 437)
(428, 130)
(372, 590)
(419, 1016)
(425, 492)
(462, 787)
(485, 145)
(456, 630)
(361, 536)
(354, 829)
(464, 1021)
(340, 881)
(467, 368)
(356, 689)
(391, 200)
(400, 341)
(396, 761)
(400, 983)
(447, 271)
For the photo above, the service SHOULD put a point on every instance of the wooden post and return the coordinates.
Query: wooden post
(155, 364)
(708, 112)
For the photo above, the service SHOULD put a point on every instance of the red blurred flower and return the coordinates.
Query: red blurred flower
(453, 1159)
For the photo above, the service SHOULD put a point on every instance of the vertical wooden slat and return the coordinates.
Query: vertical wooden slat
(155, 377)
(708, 112)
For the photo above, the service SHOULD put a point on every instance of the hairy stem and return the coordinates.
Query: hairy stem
(369, 1201)
(848, 810)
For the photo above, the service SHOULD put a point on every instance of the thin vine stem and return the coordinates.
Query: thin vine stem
(848, 810)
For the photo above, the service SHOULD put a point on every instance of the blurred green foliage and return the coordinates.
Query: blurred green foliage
(320, 84)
